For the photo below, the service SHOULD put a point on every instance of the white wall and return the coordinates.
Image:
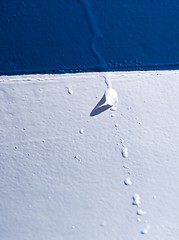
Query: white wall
(46, 193)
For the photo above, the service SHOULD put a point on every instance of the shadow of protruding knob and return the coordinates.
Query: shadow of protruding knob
(109, 99)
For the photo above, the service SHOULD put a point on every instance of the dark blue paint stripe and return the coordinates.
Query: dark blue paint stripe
(88, 35)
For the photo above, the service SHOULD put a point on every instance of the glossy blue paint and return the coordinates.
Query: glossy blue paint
(88, 35)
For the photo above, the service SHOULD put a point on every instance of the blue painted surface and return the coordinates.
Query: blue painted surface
(88, 35)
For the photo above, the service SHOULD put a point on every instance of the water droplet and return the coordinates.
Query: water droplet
(70, 91)
(113, 108)
(97, 96)
(81, 131)
(113, 115)
(116, 125)
(24, 128)
(145, 230)
(127, 181)
(136, 199)
(124, 152)
(140, 212)
(111, 97)
(16, 147)
(78, 158)
(138, 220)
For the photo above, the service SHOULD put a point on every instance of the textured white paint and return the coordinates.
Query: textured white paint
(46, 193)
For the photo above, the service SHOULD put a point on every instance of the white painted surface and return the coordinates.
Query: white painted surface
(48, 193)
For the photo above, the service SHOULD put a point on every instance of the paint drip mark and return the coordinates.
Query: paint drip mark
(116, 125)
(140, 212)
(126, 167)
(111, 97)
(145, 230)
(124, 150)
(108, 80)
(70, 91)
(81, 131)
(128, 181)
(113, 108)
(136, 199)
(77, 158)
(103, 223)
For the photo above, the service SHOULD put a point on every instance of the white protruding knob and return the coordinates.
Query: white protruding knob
(111, 97)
